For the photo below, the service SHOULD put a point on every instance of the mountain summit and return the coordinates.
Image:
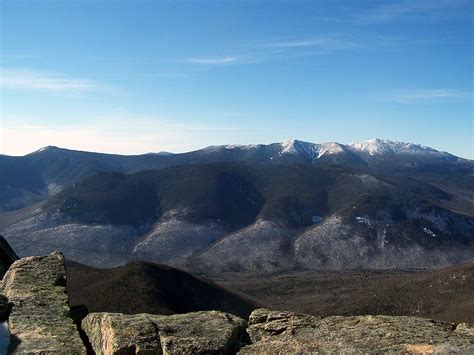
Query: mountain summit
(372, 147)
(383, 147)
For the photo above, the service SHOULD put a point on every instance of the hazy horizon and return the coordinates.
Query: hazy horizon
(133, 77)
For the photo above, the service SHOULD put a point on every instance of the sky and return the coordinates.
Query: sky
(136, 76)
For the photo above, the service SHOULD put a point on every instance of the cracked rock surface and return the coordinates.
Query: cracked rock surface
(206, 332)
(39, 321)
(286, 332)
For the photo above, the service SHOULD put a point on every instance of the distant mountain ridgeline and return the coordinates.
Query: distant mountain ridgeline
(28, 179)
(259, 208)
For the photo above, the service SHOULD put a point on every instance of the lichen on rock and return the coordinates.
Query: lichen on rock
(286, 332)
(39, 320)
(205, 332)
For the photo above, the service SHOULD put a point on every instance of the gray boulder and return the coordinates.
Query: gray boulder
(39, 321)
(206, 332)
(285, 332)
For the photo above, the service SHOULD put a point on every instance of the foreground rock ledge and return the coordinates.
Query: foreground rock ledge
(207, 332)
(39, 321)
(285, 332)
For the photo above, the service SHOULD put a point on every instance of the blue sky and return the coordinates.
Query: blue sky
(138, 76)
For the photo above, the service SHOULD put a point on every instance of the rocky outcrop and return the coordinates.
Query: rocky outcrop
(272, 332)
(39, 320)
(207, 332)
(285, 332)
(40, 323)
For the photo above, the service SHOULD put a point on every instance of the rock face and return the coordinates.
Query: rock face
(208, 332)
(285, 332)
(39, 321)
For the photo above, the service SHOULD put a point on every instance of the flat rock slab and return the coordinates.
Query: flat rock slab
(206, 332)
(286, 332)
(39, 321)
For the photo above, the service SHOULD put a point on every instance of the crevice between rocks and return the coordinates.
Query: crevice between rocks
(77, 314)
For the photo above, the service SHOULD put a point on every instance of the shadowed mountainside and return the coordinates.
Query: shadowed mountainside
(251, 218)
(142, 287)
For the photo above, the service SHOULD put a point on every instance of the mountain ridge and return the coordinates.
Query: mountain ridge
(251, 217)
(27, 179)
(373, 146)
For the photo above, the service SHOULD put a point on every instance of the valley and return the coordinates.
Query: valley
(444, 294)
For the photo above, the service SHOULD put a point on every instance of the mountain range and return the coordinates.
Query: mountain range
(234, 208)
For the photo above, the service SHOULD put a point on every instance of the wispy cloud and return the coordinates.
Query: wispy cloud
(276, 48)
(320, 42)
(42, 81)
(170, 75)
(214, 60)
(413, 9)
(427, 96)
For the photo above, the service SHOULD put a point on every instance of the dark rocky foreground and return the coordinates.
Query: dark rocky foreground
(40, 322)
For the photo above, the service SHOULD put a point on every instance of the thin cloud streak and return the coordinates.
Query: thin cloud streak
(42, 81)
(321, 42)
(410, 9)
(266, 51)
(427, 96)
(213, 61)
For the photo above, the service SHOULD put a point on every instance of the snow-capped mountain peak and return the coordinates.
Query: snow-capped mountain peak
(330, 148)
(46, 149)
(372, 147)
(312, 152)
(383, 147)
(294, 146)
(290, 145)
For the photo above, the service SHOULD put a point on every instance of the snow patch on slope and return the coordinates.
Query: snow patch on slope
(329, 148)
(174, 240)
(260, 246)
(241, 146)
(310, 150)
